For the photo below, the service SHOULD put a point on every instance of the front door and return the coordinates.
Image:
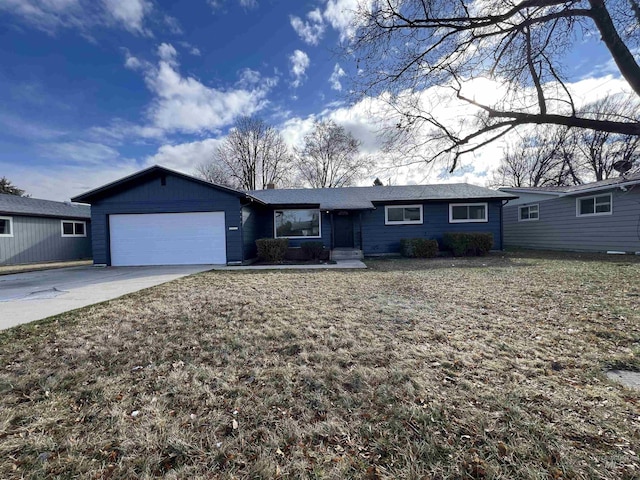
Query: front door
(342, 230)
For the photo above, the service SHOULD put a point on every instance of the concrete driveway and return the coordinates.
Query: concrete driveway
(25, 297)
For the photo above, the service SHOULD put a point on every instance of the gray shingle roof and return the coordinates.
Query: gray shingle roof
(14, 205)
(353, 198)
(585, 187)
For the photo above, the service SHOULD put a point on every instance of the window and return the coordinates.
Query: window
(74, 229)
(596, 205)
(467, 212)
(530, 212)
(6, 227)
(402, 214)
(297, 223)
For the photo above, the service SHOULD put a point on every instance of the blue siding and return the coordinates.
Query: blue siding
(251, 229)
(379, 238)
(39, 239)
(178, 195)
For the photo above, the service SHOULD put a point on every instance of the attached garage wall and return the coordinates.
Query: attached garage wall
(177, 195)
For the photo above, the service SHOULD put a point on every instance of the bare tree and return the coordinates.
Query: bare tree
(538, 160)
(330, 157)
(218, 174)
(557, 155)
(599, 150)
(252, 156)
(403, 47)
(8, 188)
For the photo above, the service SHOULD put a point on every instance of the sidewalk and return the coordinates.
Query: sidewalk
(342, 264)
(35, 267)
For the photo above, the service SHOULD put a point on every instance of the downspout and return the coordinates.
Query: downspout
(360, 220)
(332, 235)
(502, 226)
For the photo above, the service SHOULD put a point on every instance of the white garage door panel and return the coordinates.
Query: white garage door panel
(168, 239)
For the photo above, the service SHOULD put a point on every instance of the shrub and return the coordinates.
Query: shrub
(468, 244)
(418, 247)
(272, 249)
(312, 250)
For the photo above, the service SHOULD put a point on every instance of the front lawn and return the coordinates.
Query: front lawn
(444, 368)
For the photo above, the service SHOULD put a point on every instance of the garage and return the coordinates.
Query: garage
(186, 238)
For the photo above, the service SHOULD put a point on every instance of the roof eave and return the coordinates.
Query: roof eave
(92, 194)
(611, 186)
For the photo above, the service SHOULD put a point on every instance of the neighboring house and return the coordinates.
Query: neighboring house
(35, 231)
(158, 216)
(598, 217)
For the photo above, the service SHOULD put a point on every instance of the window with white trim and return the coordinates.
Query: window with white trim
(298, 223)
(402, 214)
(595, 205)
(468, 212)
(6, 227)
(72, 228)
(528, 213)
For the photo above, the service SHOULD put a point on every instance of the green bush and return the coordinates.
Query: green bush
(468, 244)
(312, 250)
(272, 249)
(418, 247)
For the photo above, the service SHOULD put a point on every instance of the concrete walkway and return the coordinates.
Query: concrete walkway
(340, 264)
(25, 297)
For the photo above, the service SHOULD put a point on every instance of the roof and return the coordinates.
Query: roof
(156, 171)
(34, 207)
(609, 183)
(355, 198)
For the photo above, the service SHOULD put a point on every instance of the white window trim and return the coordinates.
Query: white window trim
(7, 235)
(402, 222)
(593, 197)
(469, 220)
(275, 226)
(520, 219)
(62, 222)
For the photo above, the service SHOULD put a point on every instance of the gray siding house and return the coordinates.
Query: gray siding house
(160, 217)
(595, 217)
(35, 231)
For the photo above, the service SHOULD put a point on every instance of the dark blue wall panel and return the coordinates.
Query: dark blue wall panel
(379, 238)
(177, 195)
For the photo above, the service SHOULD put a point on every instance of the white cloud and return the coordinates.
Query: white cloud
(186, 105)
(184, 157)
(167, 53)
(61, 181)
(20, 128)
(82, 152)
(341, 15)
(335, 77)
(246, 4)
(173, 24)
(311, 31)
(195, 51)
(129, 13)
(299, 63)
(51, 15)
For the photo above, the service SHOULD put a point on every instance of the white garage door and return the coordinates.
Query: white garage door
(168, 239)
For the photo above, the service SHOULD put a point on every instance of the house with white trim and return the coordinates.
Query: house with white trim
(600, 216)
(40, 231)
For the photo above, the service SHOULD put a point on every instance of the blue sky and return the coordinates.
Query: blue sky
(93, 90)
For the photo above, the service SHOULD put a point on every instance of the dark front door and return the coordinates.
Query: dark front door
(342, 230)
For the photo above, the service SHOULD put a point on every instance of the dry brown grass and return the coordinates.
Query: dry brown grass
(448, 368)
